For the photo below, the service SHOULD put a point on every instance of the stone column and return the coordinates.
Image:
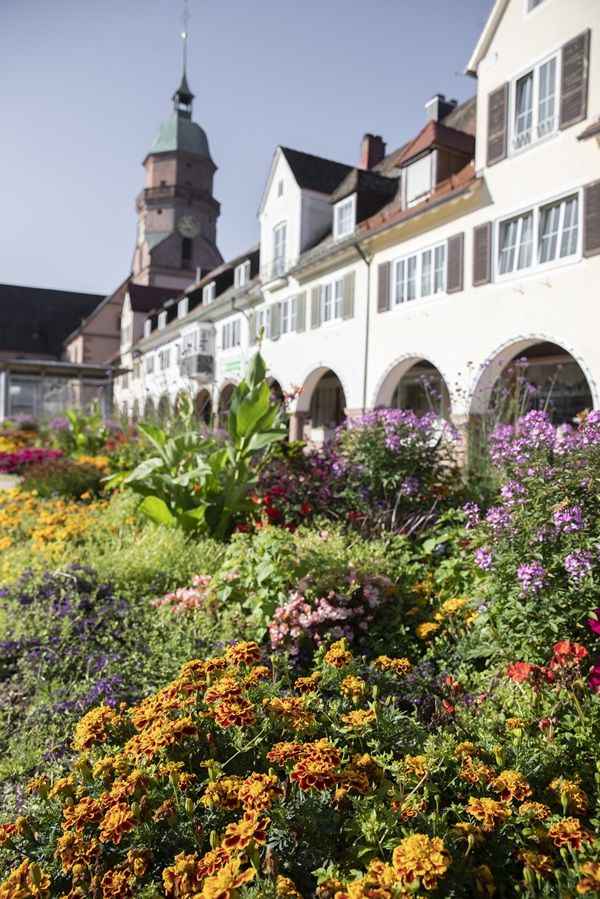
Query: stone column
(297, 422)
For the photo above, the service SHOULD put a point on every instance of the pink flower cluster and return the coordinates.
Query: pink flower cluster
(14, 463)
(186, 599)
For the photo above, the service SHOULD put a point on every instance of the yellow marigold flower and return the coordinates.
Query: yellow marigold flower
(515, 723)
(28, 880)
(422, 858)
(407, 811)
(286, 888)
(398, 666)
(381, 874)
(256, 674)
(511, 785)
(39, 786)
(307, 684)
(453, 605)
(284, 753)
(72, 850)
(5, 543)
(87, 810)
(475, 771)
(537, 811)
(259, 791)
(489, 811)
(338, 655)
(351, 780)
(119, 884)
(573, 798)
(234, 713)
(64, 786)
(313, 774)
(465, 748)
(484, 882)
(590, 882)
(183, 878)
(570, 832)
(426, 629)
(225, 883)
(226, 688)
(359, 719)
(118, 820)
(224, 793)
(248, 830)
(246, 652)
(536, 861)
(416, 764)
(291, 709)
(469, 833)
(353, 687)
(328, 888)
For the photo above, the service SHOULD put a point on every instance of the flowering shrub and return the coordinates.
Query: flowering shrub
(18, 461)
(63, 477)
(232, 781)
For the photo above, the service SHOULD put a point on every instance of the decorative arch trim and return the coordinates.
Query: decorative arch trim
(394, 373)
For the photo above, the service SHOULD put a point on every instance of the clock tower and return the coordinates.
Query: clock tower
(177, 212)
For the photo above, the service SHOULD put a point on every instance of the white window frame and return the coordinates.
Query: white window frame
(231, 334)
(164, 359)
(209, 292)
(147, 327)
(332, 301)
(263, 320)
(279, 249)
(241, 274)
(518, 145)
(419, 198)
(183, 307)
(536, 210)
(338, 210)
(162, 319)
(530, 10)
(431, 259)
(288, 316)
(149, 364)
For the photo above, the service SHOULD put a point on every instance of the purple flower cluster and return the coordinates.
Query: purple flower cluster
(568, 520)
(578, 564)
(532, 576)
(484, 558)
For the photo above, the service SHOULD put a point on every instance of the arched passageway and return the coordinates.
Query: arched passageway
(416, 384)
(163, 408)
(148, 408)
(224, 400)
(203, 407)
(327, 407)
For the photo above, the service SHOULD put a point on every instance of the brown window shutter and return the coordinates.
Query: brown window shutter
(591, 219)
(315, 307)
(482, 254)
(454, 263)
(497, 124)
(574, 80)
(383, 292)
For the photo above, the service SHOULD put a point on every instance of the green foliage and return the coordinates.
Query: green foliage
(85, 432)
(62, 477)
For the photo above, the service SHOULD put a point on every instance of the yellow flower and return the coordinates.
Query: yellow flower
(511, 785)
(489, 811)
(359, 719)
(353, 687)
(590, 882)
(453, 605)
(416, 764)
(338, 655)
(573, 798)
(426, 629)
(422, 858)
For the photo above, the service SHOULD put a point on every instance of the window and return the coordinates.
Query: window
(535, 104)
(231, 334)
(147, 328)
(539, 236)
(186, 251)
(279, 238)
(263, 320)
(344, 217)
(182, 307)
(162, 320)
(288, 316)
(209, 292)
(417, 179)
(332, 295)
(149, 364)
(420, 275)
(241, 274)
(164, 359)
(533, 4)
(280, 187)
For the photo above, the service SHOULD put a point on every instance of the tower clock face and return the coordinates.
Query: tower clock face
(188, 226)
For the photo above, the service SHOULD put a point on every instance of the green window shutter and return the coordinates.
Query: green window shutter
(348, 296)
(275, 318)
(315, 307)
(252, 328)
(301, 312)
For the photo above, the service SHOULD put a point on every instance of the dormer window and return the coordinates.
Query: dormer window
(147, 327)
(344, 217)
(182, 307)
(418, 179)
(162, 320)
(209, 292)
(241, 274)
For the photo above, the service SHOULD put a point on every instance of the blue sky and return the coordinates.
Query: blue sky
(85, 85)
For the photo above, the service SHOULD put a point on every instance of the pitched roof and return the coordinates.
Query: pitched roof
(485, 38)
(37, 320)
(144, 298)
(116, 297)
(314, 172)
(360, 180)
(434, 134)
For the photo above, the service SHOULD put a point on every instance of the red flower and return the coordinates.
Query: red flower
(566, 648)
(305, 509)
(520, 671)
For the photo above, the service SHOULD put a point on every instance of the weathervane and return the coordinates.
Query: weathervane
(185, 18)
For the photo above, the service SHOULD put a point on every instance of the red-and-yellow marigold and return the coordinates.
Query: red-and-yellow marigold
(571, 795)
(259, 791)
(313, 774)
(223, 793)
(225, 884)
(246, 652)
(250, 829)
(590, 878)
(92, 728)
(358, 719)
(511, 785)
(234, 713)
(422, 858)
(489, 811)
(570, 832)
(118, 820)
(536, 861)
(338, 655)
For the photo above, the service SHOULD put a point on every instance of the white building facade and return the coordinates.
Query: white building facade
(474, 244)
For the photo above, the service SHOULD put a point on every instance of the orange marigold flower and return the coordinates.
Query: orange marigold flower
(338, 655)
(214, 663)
(322, 750)
(358, 719)
(590, 882)
(86, 811)
(351, 780)
(292, 709)
(260, 672)
(72, 850)
(307, 684)
(118, 820)
(484, 881)
(39, 786)
(183, 878)
(466, 748)
(28, 880)
(570, 832)
(422, 858)
(119, 884)
(407, 811)
(246, 652)
(284, 753)
(426, 629)
(64, 786)
(166, 811)
(511, 785)
(234, 713)
(286, 888)
(92, 728)
(249, 829)
(226, 688)
(515, 723)
(353, 687)
(226, 882)
(212, 862)
(536, 861)
(223, 793)
(313, 774)
(7, 831)
(397, 666)
(489, 811)
(416, 764)
(259, 791)
(571, 795)
(535, 810)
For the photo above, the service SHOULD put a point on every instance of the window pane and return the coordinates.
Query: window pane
(524, 109)
(426, 273)
(399, 287)
(338, 299)
(549, 232)
(439, 280)
(525, 241)
(508, 242)
(568, 242)
(284, 317)
(326, 302)
(411, 271)
(293, 314)
(547, 96)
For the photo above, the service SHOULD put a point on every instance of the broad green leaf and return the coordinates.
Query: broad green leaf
(157, 510)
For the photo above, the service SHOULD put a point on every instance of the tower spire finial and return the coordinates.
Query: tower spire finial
(182, 98)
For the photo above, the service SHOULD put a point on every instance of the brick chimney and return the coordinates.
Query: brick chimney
(372, 151)
(438, 108)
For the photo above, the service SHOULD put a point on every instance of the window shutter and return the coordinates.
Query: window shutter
(252, 328)
(454, 265)
(275, 318)
(497, 124)
(482, 254)
(591, 219)
(348, 296)
(315, 307)
(574, 80)
(301, 312)
(383, 289)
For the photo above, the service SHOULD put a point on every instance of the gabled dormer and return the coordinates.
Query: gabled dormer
(361, 194)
